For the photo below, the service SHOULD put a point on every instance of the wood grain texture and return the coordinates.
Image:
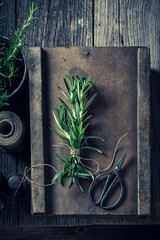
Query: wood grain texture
(139, 21)
(138, 26)
(36, 123)
(60, 23)
(75, 22)
(8, 216)
(7, 17)
(143, 131)
(106, 23)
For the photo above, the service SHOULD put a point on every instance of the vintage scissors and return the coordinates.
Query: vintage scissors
(110, 182)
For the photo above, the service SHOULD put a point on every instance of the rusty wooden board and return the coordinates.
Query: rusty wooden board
(122, 106)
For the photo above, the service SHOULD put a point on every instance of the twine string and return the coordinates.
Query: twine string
(73, 152)
(25, 177)
(21, 182)
(34, 166)
(114, 155)
(77, 153)
(85, 166)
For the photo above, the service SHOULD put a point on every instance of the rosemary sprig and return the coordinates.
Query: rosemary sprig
(71, 118)
(9, 52)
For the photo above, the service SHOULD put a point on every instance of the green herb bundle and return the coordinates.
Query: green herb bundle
(9, 53)
(72, 120)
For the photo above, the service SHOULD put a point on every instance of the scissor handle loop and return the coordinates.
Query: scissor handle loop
(92, 185)
(105, 193)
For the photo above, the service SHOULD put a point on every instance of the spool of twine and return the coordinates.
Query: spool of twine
(11, 131)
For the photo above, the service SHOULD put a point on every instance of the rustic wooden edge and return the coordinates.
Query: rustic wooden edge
(143, 131)
(36, 130)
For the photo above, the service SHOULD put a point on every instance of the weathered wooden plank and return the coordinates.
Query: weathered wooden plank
(60, 23)
(143, 131)
(7, 17)
(36, 123)
(81, 23)
(139, 25)
(8, 215)
(106, 23)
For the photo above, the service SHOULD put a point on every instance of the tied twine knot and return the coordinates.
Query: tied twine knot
(75, 152)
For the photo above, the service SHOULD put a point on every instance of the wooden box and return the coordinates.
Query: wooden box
(122, 106)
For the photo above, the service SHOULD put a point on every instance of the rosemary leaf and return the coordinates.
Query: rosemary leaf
(79, 185)
(90, 101)
(92, 148)
(56, 177)
(95, 137)
(65, 95)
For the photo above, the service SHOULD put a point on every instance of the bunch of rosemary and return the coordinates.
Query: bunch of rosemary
(9, 53)
(71, 119)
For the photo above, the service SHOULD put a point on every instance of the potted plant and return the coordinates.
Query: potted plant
(12, 59)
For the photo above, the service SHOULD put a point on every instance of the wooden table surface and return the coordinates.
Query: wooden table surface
(85, 23)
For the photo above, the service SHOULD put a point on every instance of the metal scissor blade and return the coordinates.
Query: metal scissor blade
(121, 161)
